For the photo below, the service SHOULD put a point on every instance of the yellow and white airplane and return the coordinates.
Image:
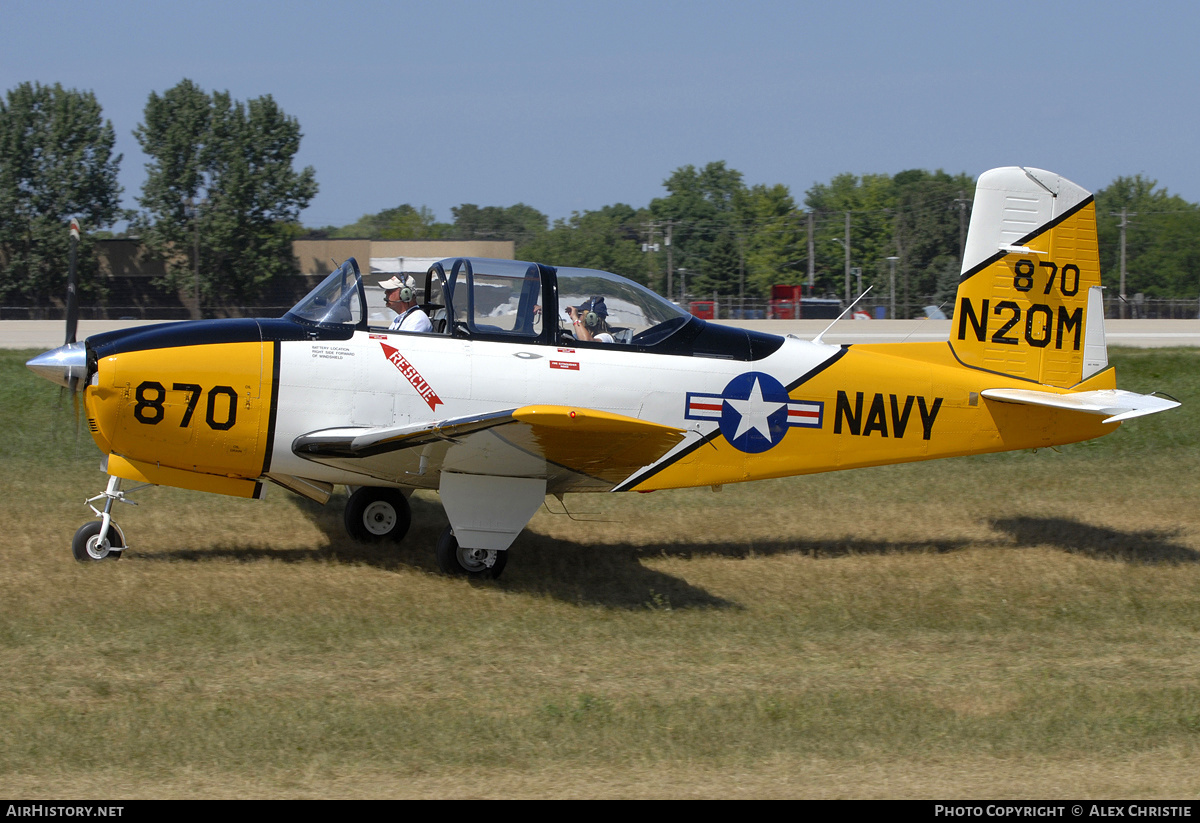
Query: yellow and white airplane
(507, 400)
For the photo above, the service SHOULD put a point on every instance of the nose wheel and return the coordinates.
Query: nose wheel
(90, 547)
(102, 539)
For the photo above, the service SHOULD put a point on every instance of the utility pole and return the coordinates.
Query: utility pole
(962, 202)
(892, 281)
(651, 246)
(194, 211)
(848, 298)
(670, 256)
(811, 261)
(1125, 215)
(741, 278)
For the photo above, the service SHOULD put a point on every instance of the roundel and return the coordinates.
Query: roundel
(754, 412)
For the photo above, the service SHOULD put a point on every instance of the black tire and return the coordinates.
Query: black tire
(473, 563)
(87, 549)
(377, 514)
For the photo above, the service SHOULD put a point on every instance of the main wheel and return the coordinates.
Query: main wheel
(482, 564)
(86, 545)
(375, 514)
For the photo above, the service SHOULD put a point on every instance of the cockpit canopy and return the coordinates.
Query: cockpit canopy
(338, 301)
(512, 300)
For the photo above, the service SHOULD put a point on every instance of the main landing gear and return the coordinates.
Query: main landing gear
(480, 564)
(102, 539)
(375, 514)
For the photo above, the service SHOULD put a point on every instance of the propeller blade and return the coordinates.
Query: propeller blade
(72, 299)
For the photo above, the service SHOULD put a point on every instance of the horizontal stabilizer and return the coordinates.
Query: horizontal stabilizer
(1116, 404)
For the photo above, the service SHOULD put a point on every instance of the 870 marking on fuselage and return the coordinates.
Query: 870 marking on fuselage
(1042, 326)
(151, 397)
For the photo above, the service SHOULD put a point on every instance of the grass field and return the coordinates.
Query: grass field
(1009, 626)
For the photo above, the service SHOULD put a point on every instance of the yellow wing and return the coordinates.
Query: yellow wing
(572, 448)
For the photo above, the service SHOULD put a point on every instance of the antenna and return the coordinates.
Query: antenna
(817, 339)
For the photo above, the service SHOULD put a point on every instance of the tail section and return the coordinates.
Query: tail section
(1029, 302)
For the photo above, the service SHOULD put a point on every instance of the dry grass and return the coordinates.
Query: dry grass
(1010, 626)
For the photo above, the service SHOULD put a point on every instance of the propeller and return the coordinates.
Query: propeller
(72, 283)
(66, 365)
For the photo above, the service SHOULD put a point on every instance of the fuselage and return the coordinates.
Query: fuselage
(226, 400)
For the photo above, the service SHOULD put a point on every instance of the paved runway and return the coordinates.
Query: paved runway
(46, 334)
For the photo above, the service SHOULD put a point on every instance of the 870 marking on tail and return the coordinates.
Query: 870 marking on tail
(1041, 325)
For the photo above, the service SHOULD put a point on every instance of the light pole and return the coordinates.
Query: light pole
(892, 284)
(193, 209)
(845, 244)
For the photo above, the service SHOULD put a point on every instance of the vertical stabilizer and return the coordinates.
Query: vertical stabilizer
(1029, 302)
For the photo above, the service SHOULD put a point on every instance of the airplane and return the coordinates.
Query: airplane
(508, 400)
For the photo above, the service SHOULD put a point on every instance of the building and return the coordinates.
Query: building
(130, 277)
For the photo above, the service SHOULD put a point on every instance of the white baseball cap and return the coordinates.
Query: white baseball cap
(396, 283)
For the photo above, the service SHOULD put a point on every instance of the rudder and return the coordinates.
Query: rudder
(1029, 302)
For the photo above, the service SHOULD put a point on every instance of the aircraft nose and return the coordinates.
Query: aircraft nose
(66, 365)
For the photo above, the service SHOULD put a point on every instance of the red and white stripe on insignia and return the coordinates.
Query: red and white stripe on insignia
(805, 413)
(802, 413)
(704, 406)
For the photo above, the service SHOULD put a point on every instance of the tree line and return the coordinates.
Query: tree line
(222, 200)
(714, 234)
(220, 205)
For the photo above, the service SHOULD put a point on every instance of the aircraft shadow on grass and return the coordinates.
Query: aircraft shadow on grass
(1100, 542)
(571, 571)
(614, 574)
(610, 574)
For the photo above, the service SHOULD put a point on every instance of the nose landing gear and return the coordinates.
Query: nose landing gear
(103, 539)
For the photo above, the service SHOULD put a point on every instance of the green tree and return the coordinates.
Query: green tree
(56, 162)
(702, 210)
(520, 223)
(871, 202)
(221, 195)
(401, 223)
(775, 240)
(1162, 255)
(608, 239)
(927, 231)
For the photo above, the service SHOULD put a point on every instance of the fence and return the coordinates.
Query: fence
(730, 308)
(726, 308)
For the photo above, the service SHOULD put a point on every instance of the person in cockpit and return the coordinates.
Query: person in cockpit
(591, 320)
(400, 295)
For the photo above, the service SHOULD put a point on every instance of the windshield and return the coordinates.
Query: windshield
(633, 314)
(338, 301)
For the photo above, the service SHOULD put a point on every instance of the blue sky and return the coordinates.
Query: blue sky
(569, 106)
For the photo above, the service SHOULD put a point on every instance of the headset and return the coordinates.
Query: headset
(407, 292)
(591, 318)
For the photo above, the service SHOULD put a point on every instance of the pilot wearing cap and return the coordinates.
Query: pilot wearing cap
(400, 295)
(591, 320)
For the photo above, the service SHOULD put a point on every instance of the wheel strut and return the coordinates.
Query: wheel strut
(108, 533)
